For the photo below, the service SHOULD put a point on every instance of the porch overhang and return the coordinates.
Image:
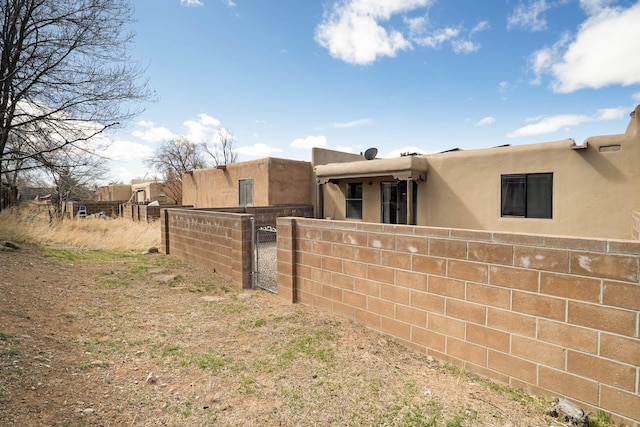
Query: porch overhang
(401, 168)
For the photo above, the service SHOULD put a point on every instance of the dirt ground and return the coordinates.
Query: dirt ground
(92, 339)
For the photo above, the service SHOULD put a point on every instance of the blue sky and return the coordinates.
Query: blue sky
(283, 76)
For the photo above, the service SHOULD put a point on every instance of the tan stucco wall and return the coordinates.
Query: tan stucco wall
(323, 156)
(118, 192)
(290, 182)
(275, 181)
(153, 191)
(594, 192)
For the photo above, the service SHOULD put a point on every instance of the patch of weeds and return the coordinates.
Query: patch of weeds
(88, 346)
(201, 360)
(10, 352)
(84, 366)
(601, 419)
(247, 384)
(262, 366)
(78, 255)
(453, 369)
(208, 361)
(5, 337)
(177, 409)
(114, 347)
(415, 418)
(315, 346)
(233, 308)
(455, 422)
(518, 395)
(96, 313)
(375, 385)
(292, 397)
(252, 323)
(139, 269)
(171, 351)
(176, 281)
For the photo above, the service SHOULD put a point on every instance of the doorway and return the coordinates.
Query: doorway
(393, 202)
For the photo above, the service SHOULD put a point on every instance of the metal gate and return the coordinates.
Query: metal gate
(266, 266)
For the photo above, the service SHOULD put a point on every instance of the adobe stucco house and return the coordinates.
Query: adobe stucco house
(263, 182)
(561, 188)
(113, 193)
(143, 192)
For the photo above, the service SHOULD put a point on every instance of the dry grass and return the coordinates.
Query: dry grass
(31, 224)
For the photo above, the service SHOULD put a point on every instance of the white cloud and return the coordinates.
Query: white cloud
(464, 46)
(485, 121)
(480, 26)
(551, 124)
(438, 37)
(190, 3)
(204, 129)
(355, 123)
(636, 96)
(310, 142)
(592, 7)
(422, 35)
(153, 133)
(528, 17)
(352, 31)
(611, 113)
(257, 150)
(126, 150)
(604, 52)
(356, 31)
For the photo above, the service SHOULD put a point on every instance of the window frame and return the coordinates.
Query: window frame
(517, 202)
(244, 184)
(353, 203)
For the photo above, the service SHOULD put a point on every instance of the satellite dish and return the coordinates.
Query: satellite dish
(371, 153)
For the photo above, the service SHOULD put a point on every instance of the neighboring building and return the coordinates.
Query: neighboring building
(113, 193)
(264, 182)
(144, 192)
(561, 188)
(34, 193)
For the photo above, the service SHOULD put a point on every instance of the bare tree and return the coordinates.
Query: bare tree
(74, 174)
(65, 77)
(174, 158)
(222, 151)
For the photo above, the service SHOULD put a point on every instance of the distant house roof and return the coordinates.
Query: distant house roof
(404, 168)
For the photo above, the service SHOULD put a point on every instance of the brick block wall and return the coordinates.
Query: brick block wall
(552, 315)
(219, 241)
(110, 209)
(266, 215)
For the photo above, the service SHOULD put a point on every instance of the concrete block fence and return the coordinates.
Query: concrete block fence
(554, 316)
(108, 208)
(219, 241)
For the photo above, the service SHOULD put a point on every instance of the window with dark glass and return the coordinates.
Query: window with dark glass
(245, 191)
(527, 195)
(354, 200)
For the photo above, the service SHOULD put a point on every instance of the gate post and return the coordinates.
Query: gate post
(286, 249)
(252, 221)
